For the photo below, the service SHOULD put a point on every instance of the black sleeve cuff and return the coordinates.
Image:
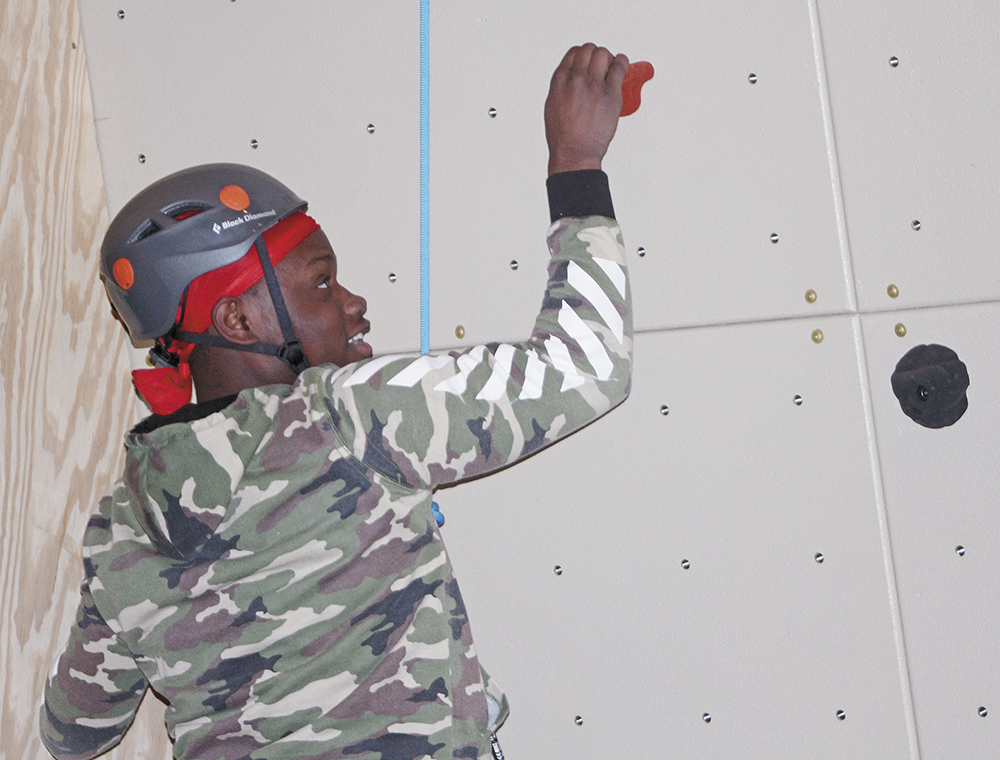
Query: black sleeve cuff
(579, 193)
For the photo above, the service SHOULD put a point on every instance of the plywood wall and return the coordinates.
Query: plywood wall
(65, 396)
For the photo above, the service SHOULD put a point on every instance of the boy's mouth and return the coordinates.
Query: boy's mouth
(358, 344)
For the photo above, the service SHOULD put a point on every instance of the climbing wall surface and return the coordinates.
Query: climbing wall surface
(759, 554)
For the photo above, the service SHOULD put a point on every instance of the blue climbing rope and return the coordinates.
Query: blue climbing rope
(425, 238)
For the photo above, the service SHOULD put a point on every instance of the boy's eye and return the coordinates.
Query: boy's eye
(325, 283)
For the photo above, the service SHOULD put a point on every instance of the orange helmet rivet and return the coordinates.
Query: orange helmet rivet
(235, 197)
(124, 275)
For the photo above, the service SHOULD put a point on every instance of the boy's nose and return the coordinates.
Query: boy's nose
(355, 305)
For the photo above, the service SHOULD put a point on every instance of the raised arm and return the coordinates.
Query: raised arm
(428, 420)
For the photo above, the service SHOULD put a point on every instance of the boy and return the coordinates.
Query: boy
(270, 563)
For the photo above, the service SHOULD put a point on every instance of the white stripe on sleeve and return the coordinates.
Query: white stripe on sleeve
(414, 373)
(592, 347)
(365, 371)
(563, 362)
(497, 383)
(589, 289)
(614, 272)
(466, 363)
(534, 376)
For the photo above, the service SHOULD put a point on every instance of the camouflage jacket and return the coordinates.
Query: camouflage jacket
(274, 570)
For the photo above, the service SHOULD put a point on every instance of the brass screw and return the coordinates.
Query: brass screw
(811, 296)
(901, 330)
(817, 336)
(893, 291)
(460, 332)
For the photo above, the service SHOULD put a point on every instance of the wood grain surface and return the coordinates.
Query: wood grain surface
(63, 363)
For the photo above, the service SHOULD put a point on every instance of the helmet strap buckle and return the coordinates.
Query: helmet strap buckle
(292, 354)
(162, 356)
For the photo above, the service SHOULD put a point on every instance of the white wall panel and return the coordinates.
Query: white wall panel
(940, 493)
(748, 487)
(917, 141)
(191, 82)
(703, 174)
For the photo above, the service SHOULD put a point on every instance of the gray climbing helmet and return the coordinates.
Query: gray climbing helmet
(180, 227)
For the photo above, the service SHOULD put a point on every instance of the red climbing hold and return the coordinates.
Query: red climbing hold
(637, 75)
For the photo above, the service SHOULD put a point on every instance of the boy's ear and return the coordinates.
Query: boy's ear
(232, 320)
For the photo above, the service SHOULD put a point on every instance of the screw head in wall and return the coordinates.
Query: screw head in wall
(641, 251)
(664, 410)
(983, 712)
(915, 224)
(841, 715)
(686, 564)
(142, 158)
(460, 332)
(811, 296)
(893, 291)
(121, 14)
(774, 237)
(817, 336)
(371, 129)
(513, 264)
(707, 717)
(392, 276)
(558, 570)
(578, 720)
(253, 143)
(901, 330)
(894, 61)
(960, 550)
(752, 79)
(493, 113)
(819, 558)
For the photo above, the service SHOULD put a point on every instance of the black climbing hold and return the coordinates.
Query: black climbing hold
(930, 382)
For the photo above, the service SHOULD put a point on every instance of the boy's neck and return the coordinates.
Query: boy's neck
(219, 372)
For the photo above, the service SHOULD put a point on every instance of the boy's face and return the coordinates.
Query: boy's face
(327, 317)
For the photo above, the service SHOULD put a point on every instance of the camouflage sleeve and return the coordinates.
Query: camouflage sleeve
(93, 693)
(428, 420)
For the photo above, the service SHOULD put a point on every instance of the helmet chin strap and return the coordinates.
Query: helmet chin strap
(290, 351)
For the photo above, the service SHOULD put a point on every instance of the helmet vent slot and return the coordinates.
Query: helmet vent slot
(184, 209)
(146, 229)
(175, 213)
